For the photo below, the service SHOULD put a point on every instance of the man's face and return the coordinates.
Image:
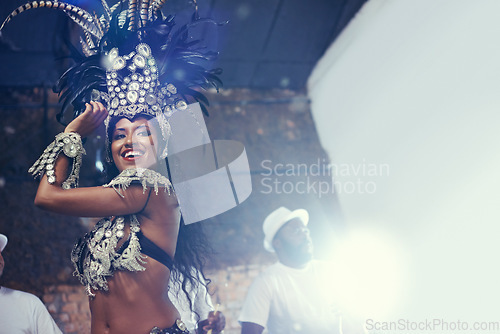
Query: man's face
(294, 240)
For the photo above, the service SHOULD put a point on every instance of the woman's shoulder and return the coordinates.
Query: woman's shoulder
(148, 178)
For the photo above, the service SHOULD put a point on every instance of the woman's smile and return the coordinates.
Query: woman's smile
(132, 154)
(133, 143)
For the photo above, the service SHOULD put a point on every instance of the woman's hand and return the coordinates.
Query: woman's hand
(214, 324)
(89, 120)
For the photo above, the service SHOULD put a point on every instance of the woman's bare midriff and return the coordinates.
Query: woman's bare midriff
(132, 296)
(137, 301)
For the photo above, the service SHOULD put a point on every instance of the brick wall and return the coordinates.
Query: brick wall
(69, 306)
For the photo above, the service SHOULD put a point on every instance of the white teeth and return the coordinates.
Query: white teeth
(133, 154)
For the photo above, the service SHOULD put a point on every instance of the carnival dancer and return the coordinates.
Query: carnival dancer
(129, 79)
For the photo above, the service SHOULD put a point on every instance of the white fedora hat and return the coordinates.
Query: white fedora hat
(276, 220)
(3, 242)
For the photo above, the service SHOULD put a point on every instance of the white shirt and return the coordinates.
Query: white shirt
(24, 313)
(286, 300)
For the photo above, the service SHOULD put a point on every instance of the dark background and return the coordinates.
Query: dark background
(265, 44)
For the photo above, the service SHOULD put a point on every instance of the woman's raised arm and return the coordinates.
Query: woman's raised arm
(89, 201)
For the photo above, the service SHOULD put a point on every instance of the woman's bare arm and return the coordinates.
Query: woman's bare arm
(90, 201)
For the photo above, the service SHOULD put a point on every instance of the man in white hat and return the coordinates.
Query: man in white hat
(22, 312)
(289, 296)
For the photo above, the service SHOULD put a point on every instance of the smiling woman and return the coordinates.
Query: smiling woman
(139, 236)
(127, 260)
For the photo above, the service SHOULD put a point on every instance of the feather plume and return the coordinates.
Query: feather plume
(80, 16)
(181, 60)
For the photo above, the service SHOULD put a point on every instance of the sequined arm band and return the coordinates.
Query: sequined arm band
(146, 177)
(71, 145)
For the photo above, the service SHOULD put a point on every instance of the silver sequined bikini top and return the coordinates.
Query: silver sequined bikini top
(95, 256)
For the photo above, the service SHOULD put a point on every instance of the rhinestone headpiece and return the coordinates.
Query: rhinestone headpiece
(140, 91)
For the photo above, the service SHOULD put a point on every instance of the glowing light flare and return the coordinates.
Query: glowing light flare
(368, 273)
